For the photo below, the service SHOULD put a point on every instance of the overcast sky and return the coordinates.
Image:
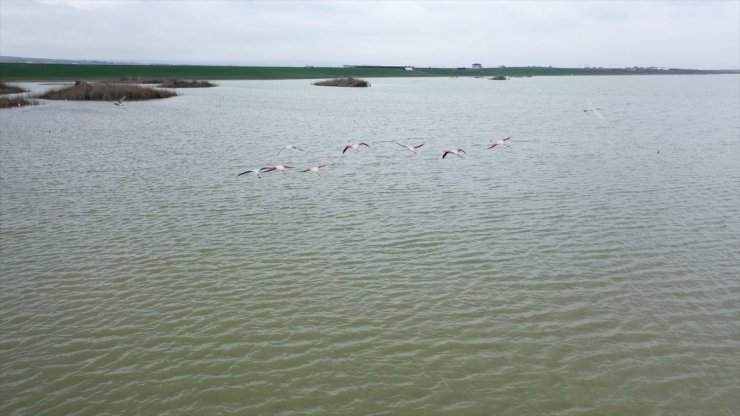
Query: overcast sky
(687, 34)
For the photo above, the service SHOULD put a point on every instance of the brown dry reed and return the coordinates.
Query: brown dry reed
(10, 89)
(182, 83)
(343, 82)
(131, 80)
(101, 91)
(17, 101)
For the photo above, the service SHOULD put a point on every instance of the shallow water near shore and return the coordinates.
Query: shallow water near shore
(591, 267)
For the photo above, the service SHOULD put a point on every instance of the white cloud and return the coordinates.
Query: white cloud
(80, 4)
(701, 34)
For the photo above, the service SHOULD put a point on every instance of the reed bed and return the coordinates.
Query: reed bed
(17, 101)
(99, 91)
(343, 82)
(182, 83)
(132, 80)
(10, 89)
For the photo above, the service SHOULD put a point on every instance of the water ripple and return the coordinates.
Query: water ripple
(576, 272)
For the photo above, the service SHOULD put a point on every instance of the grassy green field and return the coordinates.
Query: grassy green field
(49, 72)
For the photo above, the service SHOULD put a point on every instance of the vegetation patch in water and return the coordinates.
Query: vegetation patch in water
(343, 82)
(183, 83)
(10, 89)
(102, 91)
(134, 80)
(17, 101)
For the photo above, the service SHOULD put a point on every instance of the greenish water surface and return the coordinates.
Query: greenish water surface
(591, 267)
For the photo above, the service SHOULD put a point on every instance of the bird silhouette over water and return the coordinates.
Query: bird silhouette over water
(590, 108)
(289, 147)
(276, 167)
(355, 146)
(455, 151)
(255, 171)
(314, 169)
(499, 143)
(411, 147)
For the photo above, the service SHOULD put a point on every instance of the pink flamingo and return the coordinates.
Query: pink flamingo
(289, 147)
(455, 151)
(355, 146)
(412, 148)
(255, 171)
(314, 169)
(276, 167)
(500, 142)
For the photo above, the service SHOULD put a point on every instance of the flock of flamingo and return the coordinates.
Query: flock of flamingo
(413, 148)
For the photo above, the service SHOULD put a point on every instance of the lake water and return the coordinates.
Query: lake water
(591, 267)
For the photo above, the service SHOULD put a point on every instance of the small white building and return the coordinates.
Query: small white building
(477, 66)
(408, 68)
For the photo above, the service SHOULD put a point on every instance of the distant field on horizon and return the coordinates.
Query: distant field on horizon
(48, 72)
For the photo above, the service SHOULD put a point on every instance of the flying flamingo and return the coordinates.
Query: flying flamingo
(119, 102)
(355, 146)
(455, 151)
(255, 171)
(314, 169)
(289, 147)
(592, 109)
(276, 167)
(499, 143)
(412, 148)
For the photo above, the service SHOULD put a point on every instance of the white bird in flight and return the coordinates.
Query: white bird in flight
(499, 143)
(255, 171)
(455, 151)
(276, 167)
(314, 169)
(355, 146)
(119, 102)
(411, 147)
(591, 109)
(289, 147)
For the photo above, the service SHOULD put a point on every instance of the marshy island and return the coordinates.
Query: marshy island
(343, 82)
(12, 96)
(105, 91)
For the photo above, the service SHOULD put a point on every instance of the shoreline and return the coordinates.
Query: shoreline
(40, 72)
